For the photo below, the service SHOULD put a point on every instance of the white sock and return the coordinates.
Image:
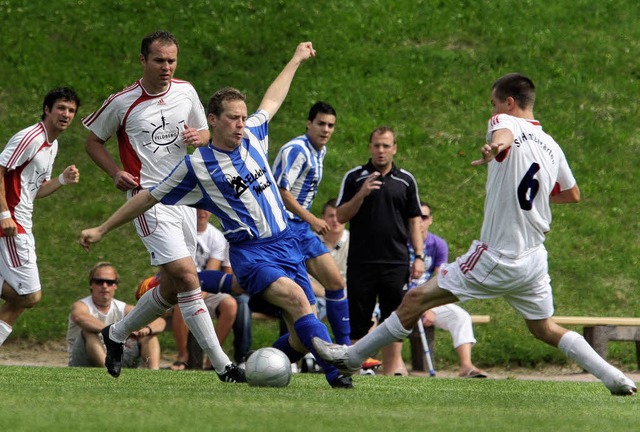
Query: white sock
(579, 350)
(150, 306)
(196, 317)
(5, 331)
(391, 330)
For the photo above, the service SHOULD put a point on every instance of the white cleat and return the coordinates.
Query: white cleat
(622, 386)
(336, 355)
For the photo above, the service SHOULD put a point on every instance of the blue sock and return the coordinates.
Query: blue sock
(308, 327)
(214, 281)
(338, 315)
(283, 345)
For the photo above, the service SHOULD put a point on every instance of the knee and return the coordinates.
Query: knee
(30, 300)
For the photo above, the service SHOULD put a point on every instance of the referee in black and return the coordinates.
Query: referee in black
(381, 203)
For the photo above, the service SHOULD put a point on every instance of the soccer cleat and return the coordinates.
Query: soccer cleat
(113, 361)
(309, 364)
(336, 355)
(232, 374)
(371, 363)
(342, 381)
(367, 372)
(622, 386)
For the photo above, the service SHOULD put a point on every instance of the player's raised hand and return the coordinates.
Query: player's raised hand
(304, 50)
(90, 236)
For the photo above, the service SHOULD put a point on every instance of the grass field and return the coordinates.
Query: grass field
(423, 67)
(65, 399)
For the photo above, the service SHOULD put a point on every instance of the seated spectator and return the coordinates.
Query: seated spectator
(451, 317)
(91, 314)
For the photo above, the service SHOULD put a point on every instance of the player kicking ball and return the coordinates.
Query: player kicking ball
(527, 171)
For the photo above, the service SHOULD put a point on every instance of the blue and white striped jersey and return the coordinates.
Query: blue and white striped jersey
(237, 186)
(298, 169)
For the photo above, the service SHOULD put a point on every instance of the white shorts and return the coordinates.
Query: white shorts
(481, 273)
(18, 266)
(213, 302)
(168, 232)
(130, 354)
(456, 321)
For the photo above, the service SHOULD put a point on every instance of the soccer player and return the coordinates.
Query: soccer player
(155, 120)
(527, 171)
(26, 164)
(298, 172)
(232, 179)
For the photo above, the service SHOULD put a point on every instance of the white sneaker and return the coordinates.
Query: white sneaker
(336, 355)
(622, 386)
(367, 372)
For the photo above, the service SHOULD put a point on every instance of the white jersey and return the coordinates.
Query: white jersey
(149, 127)
(211, 244)
(115, 314)
(521, 179)
(28, 158)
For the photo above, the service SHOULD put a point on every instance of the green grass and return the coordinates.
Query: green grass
(57, 399)
(423, 67)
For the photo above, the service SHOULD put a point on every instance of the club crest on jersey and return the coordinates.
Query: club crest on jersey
(163, 135)
(236, 184)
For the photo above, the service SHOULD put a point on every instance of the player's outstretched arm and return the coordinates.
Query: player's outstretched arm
(133, 208)
(501, 140)
(277, 91)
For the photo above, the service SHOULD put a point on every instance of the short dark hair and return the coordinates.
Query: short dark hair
(100, 265)
(214, 106)
(518, 86)
(165, 38)
(382, 129)
(320, 108)
(64, 93)
(332, 203)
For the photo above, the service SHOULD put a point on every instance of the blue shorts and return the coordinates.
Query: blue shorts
(259, 263)
(310, 244)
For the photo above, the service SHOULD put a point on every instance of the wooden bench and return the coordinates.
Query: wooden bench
(418, 361)
(598, 331)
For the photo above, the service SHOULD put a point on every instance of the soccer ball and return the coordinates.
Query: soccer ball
(268, 367)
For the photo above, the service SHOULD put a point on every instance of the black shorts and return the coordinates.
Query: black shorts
(371, 283)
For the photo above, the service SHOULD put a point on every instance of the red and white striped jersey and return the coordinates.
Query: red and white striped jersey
(149, 127)
(520, 181)
(28, 158)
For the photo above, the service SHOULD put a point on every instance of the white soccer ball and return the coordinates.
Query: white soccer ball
(268, 367)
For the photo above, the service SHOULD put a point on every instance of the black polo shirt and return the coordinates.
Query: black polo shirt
(380, 229)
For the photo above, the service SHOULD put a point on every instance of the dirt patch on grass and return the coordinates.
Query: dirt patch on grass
(54, 354)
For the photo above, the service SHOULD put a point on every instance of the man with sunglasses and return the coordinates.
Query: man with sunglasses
(92, 313)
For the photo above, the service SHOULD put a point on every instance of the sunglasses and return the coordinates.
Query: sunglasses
(425, 217)
(109, 282)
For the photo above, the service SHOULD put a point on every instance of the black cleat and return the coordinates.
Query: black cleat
(342, 381)
(232, 374)
(113, 361)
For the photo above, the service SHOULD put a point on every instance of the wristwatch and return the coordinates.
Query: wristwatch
(420, 257)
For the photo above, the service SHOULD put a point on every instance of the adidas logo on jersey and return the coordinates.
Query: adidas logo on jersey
(161, 102)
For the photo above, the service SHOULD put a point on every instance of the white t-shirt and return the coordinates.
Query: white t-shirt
(149, 127)
(212, 244)
(115, 314)
(520, 180)
(28, 158)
